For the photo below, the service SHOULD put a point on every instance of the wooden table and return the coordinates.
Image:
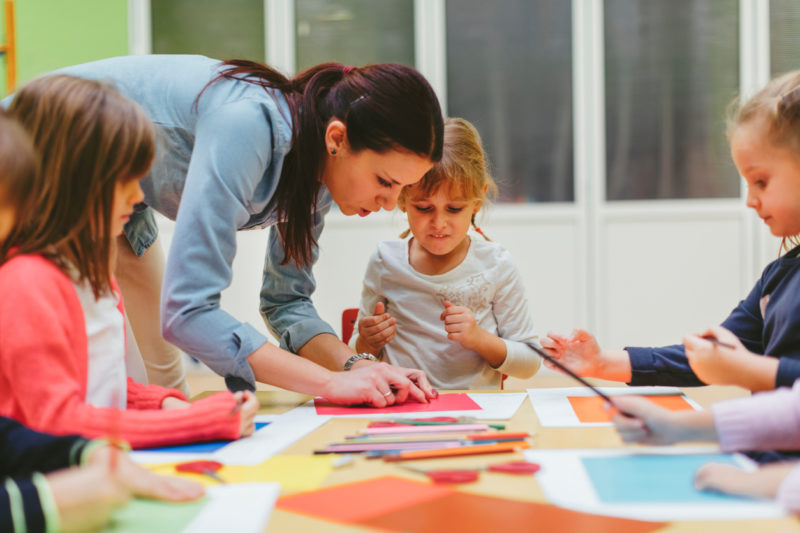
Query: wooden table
(513, 487)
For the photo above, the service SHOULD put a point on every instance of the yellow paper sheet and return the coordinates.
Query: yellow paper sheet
(293, 472)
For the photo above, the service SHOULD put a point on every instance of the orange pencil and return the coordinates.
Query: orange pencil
(114, 434)
(501, 447)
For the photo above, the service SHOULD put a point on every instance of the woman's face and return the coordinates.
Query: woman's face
(366, 181)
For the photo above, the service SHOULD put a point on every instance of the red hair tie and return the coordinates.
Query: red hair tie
(347, 70)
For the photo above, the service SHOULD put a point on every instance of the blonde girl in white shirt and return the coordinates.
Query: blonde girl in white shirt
(440, 300)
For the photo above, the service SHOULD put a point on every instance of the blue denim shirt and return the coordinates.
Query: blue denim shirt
(216, 169)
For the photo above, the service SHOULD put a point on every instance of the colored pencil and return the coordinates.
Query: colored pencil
(403, 430)
(501, 447)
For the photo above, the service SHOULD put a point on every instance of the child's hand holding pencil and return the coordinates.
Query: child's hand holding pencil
(718, 357)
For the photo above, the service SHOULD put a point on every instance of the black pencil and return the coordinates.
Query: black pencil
(582, 381)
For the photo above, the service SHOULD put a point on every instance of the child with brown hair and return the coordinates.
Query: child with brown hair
(38, 490)
(62, 333)
(442, 301)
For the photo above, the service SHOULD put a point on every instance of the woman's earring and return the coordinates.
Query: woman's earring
(333, 151)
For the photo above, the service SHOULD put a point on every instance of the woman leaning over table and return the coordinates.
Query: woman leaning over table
(241, 146)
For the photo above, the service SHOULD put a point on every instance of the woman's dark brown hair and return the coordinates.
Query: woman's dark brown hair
(384, 107)
(88, 138)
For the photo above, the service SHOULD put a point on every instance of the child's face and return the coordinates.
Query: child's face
(7, 217)
(440, 222)
(772, 174)
(126, 195)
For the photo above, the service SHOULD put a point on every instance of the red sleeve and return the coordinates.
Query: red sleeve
(43, 368)
(149, 396)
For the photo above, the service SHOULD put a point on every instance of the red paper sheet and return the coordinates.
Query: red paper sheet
(590, 408)
(397, 504)
(445, 402)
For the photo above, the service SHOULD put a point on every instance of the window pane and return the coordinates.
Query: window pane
(233, 29)
(784, 33)
(354, 32)
(671, 69)
(509, 71)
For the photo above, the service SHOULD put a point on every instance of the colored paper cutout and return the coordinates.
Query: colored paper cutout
(397, 504)
(293, 472)
(445, 402)
(199, 447)
(476, 513)
(362, 500)
(653, 478)
(147, 516)
(590, 408)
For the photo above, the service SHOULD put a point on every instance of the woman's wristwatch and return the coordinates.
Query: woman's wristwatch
(358, 357)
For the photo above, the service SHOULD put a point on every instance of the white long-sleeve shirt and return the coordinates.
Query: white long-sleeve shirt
(487, 281)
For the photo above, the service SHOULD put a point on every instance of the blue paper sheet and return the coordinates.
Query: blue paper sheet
(652, 478)
(200, 447)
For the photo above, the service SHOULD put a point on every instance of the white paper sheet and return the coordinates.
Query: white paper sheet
(240, 507)
(282, 431)
(493, 406)
(554, 410)
(566, 483)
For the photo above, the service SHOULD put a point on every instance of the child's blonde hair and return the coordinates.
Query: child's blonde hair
(89, 137)
(18, 164)
(778, 106)
(462, 169)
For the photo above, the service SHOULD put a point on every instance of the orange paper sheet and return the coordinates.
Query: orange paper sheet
(476, 513)
(590, 408)
(362, 500)
(397, 504)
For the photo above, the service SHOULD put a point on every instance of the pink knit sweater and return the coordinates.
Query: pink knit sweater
(44, 366)
(764, 421)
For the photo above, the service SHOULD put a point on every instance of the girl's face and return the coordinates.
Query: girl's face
(440, 222)
(772, 174)
(366, 181)
(7, 217)
(126, 195)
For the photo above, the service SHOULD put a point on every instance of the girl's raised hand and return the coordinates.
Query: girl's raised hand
(460, 325)
(376, 330)
(579, 352)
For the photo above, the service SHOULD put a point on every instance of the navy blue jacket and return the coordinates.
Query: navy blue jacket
(24, 451)
(767, 322)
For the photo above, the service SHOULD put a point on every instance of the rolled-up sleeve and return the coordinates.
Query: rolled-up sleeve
(232, 150)
(286, 291)
(515, 323)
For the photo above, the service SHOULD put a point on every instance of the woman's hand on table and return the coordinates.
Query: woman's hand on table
(379, 385)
